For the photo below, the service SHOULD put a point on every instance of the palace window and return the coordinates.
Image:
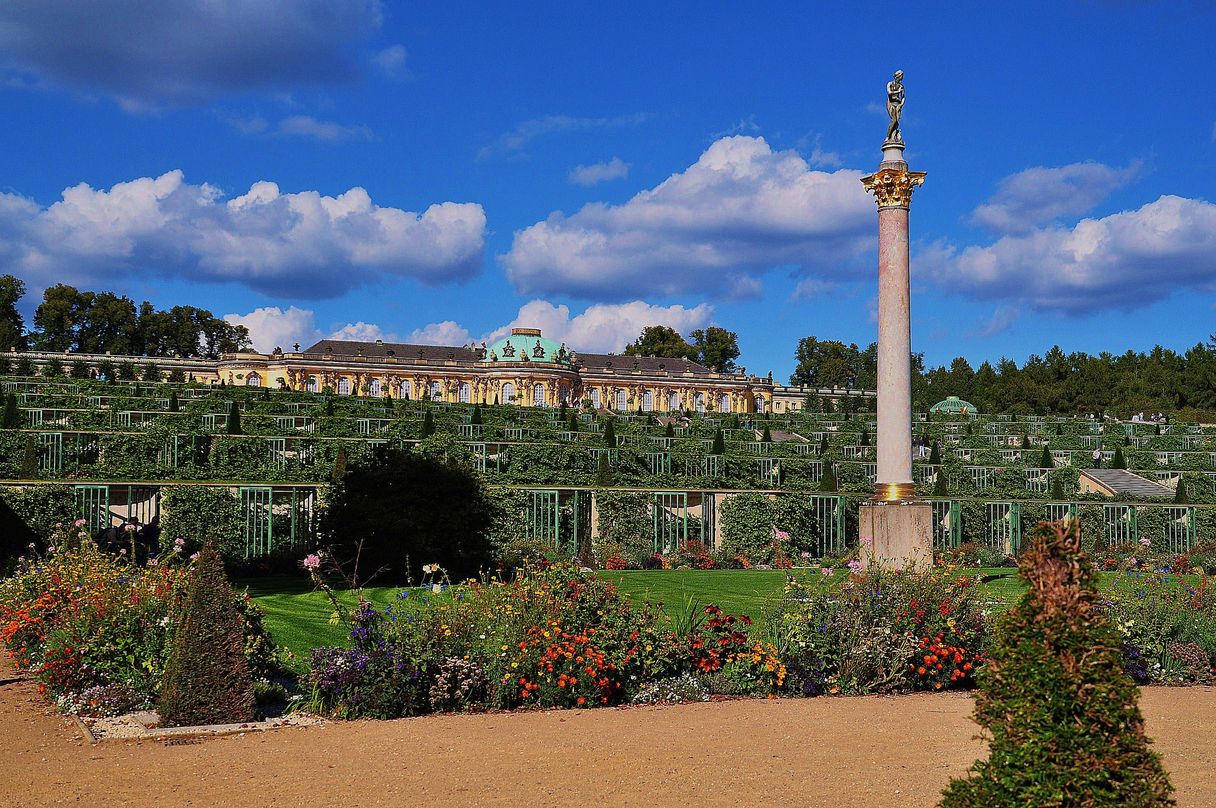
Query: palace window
(344, 386)
(436, 391)
(595, 397)
(647, 401)
(374, 389)
(538, 395)
(406, 390)
(311, 384)
(508, 393)
(252, 380)
(673, 401)
(700, 402)
(724, 403)
(760, 404)
(621, 403)
(466, 393)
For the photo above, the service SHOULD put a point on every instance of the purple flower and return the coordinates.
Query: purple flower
(855, 565)
(827, 572)
(79, 523)
(312, 562)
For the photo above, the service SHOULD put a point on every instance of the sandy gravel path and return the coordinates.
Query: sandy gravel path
(810, 752)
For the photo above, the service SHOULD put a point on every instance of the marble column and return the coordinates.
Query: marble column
(896, 530)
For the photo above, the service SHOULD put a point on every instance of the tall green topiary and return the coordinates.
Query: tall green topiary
(1062, 715)
(233, 426)
(719, 447)
(1118, 461)
(610, 433)
(12, 414)
(173, 403)
(767, 436)
(428, 423)
(29, 459)
(1180, 493)
(670, 431)
(827, 482)
(207, 678)
(1057, 489)
(475, 418)
(603, 472)
(864, 440)
(935, 454)
(339, 470)
(1045, 461)
(940, 485)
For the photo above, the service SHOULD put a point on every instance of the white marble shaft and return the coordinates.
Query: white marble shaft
(894, 349)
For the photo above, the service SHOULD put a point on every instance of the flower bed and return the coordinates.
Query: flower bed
(95, 629)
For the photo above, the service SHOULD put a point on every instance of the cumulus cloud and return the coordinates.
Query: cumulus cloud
(391, 61)
(295, 244)
(1041, 195)
(742, 208)
(1002, 319)
(603, 327)
(271, 327)
(517, 139)
(1121, 261)
(595, 173)
(151, 53)
(448, 332)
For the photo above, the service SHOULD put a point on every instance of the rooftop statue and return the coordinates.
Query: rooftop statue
(895, 106)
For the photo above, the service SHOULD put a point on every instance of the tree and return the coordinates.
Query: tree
(719, 447)
(935, 454)
(1057, 489)
(24, 366)
(661, 340)
(716, 348)
(940, 484)
(339, 470)
(475, 417)
(428, 423)
(865, 438)
(80, 369)
(173, 404)
(127, 371)
(12, 325)
(767, 435)
(233, 426)
(827, 482)
(106, 370)
(12, 413)
(610, 433)
(402, 509)
(1180, 492)
(1054, 699)
(207, 678)
(670, 431)
(152, 373)
(53, 368)
(603, 472)
(29, 459)
(177, 376)
(1045, 460)
(58, 317)
(1118, 461)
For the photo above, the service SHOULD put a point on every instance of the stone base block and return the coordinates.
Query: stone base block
(896, 535)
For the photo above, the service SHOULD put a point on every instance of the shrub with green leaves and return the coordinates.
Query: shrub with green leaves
(207, 678)
(1061, 713)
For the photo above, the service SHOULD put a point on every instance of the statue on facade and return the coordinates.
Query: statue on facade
(895, 106)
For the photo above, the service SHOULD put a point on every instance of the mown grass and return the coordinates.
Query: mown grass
(298, 617)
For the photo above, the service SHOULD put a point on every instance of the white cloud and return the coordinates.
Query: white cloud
(448, 332)
(741, 208)
(518, 138)
(151, 53)
(328, 131)
(363, 332)
(296, 244)
(811, 288)
(1041, 195)
(1121, 261)
(1002, 319)
(743, 287)
(391, 61)
(595, 173)
(603, 327)
(271, 327)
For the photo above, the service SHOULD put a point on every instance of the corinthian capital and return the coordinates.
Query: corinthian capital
(893, 187)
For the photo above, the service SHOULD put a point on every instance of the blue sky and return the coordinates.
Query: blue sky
(441, 172)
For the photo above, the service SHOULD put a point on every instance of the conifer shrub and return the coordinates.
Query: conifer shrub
(177, 376)
(233, 427)
(475, 418)
(12, 414)
(428, 423)
(174, 406)
(719, 447)
(1060, 712)
(827, 482)
(1045, 460)
(610, 433)
(207, 678)
(670, 431)
(940, 485)
(767, 436)
(935, 454)
(1118, 461)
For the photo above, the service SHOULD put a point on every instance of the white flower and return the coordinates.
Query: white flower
(436, 588)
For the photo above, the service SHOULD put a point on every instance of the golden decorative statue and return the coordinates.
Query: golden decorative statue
(895, 106)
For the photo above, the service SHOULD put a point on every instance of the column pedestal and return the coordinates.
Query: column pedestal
(896, 535)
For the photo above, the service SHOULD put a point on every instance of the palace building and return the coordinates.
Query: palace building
(524, 368)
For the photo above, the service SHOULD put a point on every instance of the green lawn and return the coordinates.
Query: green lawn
(298, 617)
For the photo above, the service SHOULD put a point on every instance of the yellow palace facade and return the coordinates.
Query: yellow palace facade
(524, 369)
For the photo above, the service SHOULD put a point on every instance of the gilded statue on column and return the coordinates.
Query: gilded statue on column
(895, 106)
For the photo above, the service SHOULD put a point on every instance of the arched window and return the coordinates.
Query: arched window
(621, 400)
(311, 384)
(700, 400)
(759, 403)
(673, 401)
(466, 393)
(724, 403)
(344, 386)
(538, 395)
(407, 388)
(374, 389)
(595, 397)
(436, 391)
(647, 401)
(252, 380)
(508, 393)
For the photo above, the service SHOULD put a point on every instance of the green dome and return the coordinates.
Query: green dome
(527, 345)
(954, 405)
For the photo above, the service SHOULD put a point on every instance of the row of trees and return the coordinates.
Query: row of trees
(1161, 380)
(96, 322)
(714, 347)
